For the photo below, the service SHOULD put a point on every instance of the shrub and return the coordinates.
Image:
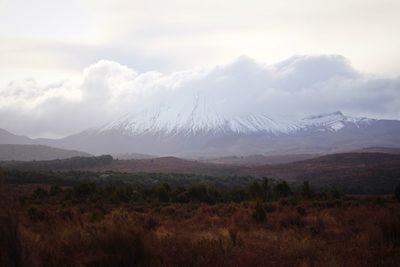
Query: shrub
(150, 224)
(391, 232)
(202, 193)
(259, 214)
(35, 214)
(317, 227)
(255, 191)
(270, 208)
(54, 190)
(233, 235)
(162, 193)
(10, 245)
(10, 241)
(291, 220)
(306, 191)
(39, 193)
(84, 190)
(118, 245)
(301, 211)
(266, 189)
(397, 193)
(66, 215)
(96, 216)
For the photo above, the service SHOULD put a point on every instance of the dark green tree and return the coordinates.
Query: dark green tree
(162, 193)
(255, 191)
(266, 188)
(203, 193)
(282, 189)
(306, 191)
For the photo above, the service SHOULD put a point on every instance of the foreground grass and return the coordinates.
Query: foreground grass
(346, 232)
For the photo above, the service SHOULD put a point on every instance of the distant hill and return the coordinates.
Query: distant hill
(75, 163)
(9, 138)
(36, 152)
(169, 165)
(255, 160)
(126, 156)
(369, 173)
(366, 173)
(387, 150)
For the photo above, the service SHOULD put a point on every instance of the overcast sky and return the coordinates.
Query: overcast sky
(58, 58)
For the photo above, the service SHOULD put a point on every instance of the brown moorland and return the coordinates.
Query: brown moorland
(352, 231)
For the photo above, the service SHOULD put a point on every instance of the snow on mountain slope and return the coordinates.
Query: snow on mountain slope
(201, 119)
(331, 122)
(203, 131)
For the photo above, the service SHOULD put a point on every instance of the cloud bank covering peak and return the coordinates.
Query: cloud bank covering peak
(294, 88)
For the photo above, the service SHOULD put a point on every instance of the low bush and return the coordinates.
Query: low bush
(259, 214)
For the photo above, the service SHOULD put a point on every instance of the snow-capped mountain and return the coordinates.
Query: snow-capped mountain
(200, 129)
(167, 121)
(202, 132)
(193, 124)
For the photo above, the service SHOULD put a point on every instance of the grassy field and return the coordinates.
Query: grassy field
(40, 226)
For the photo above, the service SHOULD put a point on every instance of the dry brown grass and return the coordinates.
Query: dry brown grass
(11, 253)
(354, 233)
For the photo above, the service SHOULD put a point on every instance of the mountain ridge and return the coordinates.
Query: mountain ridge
(146, 122)
(193, 136)
(14, 152)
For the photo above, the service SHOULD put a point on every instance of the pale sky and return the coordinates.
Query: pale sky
(50, 39)
(47, 46)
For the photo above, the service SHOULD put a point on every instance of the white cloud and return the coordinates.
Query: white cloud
(46, 36)
(297, 87)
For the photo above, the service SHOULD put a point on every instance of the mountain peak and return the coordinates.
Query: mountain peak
(200, 129)
(332, 114)
(333, 121)
(201, 119)
(339, 113)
